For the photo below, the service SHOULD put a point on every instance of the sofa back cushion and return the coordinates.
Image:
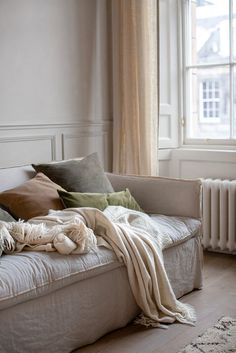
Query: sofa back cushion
(82, 175)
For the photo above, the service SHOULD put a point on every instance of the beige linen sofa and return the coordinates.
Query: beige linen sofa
(53, 303)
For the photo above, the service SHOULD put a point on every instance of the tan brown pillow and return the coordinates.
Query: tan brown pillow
(33, 198)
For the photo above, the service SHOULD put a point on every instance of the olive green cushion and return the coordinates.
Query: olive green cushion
(82, 175)
(123, 198)
(99, 200)
(79, 199)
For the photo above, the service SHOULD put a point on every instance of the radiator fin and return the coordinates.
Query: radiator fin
(219, 215)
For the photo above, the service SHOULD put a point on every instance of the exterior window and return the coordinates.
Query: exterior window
(209, 70)
(209, 100)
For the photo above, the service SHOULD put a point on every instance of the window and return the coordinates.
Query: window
(209, 68)
(209, 98)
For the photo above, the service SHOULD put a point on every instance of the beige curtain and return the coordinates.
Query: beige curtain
(135, 86)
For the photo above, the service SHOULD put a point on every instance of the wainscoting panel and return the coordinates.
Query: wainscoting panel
(207, 169)
(74, 145)
(203, 164)
(26, 144)
(164, 157)
(19, 150)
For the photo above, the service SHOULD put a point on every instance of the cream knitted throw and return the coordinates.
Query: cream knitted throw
(137, 243)
(74, 238)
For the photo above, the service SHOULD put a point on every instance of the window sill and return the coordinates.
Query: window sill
(210, 148)
(218, 155)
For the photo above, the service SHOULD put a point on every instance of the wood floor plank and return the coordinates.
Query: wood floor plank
(216, 299)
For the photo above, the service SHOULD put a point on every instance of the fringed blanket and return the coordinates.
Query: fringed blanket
(132, 235)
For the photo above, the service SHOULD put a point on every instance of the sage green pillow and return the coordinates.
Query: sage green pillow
(80, 199)
(6, 216)
(123, 198)
(99, 200)
(77, 175)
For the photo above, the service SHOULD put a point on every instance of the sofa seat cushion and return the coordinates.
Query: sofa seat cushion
(29, 274)
(178, 229)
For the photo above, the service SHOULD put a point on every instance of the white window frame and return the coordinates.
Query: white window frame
(186, 89)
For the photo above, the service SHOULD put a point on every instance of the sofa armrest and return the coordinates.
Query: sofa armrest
(167, 196)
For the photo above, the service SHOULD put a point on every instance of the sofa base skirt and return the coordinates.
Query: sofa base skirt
(82, 312)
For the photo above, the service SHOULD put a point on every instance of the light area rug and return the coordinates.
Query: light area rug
(221, 338)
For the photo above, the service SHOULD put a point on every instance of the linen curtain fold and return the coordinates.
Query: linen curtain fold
(135, 86)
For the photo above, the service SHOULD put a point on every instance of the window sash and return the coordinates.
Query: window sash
(188, 66)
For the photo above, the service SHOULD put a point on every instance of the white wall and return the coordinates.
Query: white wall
(54, 88)
(55, 99)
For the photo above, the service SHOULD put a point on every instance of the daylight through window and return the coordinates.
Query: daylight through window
(210, 69)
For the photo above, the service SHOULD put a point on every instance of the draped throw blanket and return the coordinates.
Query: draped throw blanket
(133, 237)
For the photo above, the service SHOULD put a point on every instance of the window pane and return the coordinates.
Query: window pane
(209, 31)
(210, 105)
(234, 104)
(234, 29)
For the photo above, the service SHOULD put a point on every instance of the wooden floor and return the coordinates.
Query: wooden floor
(216, 299)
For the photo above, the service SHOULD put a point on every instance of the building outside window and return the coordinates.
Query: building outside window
(209, 99)
(209, 44)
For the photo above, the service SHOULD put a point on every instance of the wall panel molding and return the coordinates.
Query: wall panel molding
(82, 123)
(27, 144)
(82, 143)
(17, 150)
(199, 163)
